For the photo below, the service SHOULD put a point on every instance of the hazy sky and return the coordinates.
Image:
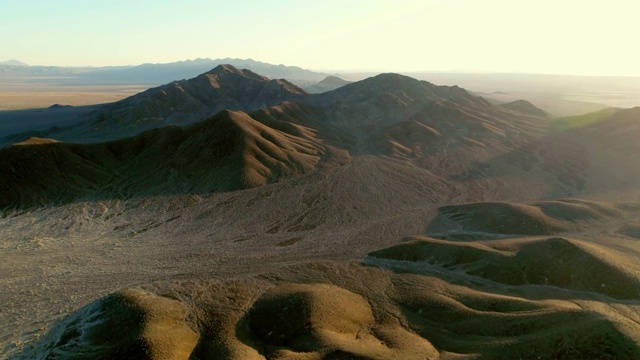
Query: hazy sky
(560, 36)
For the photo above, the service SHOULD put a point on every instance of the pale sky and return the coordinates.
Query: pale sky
(556, 37)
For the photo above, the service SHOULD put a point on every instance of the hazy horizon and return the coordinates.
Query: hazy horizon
(359, 72)
(590, 38)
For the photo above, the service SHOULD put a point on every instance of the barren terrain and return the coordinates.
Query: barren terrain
(20, 95)
(390, 218)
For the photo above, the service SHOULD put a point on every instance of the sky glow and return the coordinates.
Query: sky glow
(555, 37)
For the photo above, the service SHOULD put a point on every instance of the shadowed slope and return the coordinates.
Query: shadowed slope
(227, 152)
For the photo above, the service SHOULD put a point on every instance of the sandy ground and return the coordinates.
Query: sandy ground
(15, 96)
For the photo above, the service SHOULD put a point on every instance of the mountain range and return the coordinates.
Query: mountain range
(152, 74)
(386, 115)
(235, 216)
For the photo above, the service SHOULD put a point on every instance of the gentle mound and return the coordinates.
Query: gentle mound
(148, 327)
(503, 218)
(542, 218)
(337, 311)
(561, 262)
(292, 321)
(296, 320)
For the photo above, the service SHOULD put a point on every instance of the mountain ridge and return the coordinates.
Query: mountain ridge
(389, 115)
(229, 151)
(185, 102)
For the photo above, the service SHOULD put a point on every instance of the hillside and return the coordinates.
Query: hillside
(178, 103)
(229, 151)
(387, 115)
(389, 218)
(460, 138)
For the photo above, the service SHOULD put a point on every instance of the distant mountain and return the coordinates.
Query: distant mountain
(295, 74)
(155, 74)
(526, 107)
(45, 74)
(163, 73)
(13, 63)
(327, 84)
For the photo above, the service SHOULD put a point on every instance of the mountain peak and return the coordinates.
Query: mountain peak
(394, 77)
(187, 101)
(226, 69)
(382, 85)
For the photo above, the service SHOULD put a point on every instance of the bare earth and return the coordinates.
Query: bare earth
(452, 229)
(16, 96)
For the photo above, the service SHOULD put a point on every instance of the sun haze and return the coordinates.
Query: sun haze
(559, 37)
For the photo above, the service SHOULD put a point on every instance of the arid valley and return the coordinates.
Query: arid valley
(235, 216)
